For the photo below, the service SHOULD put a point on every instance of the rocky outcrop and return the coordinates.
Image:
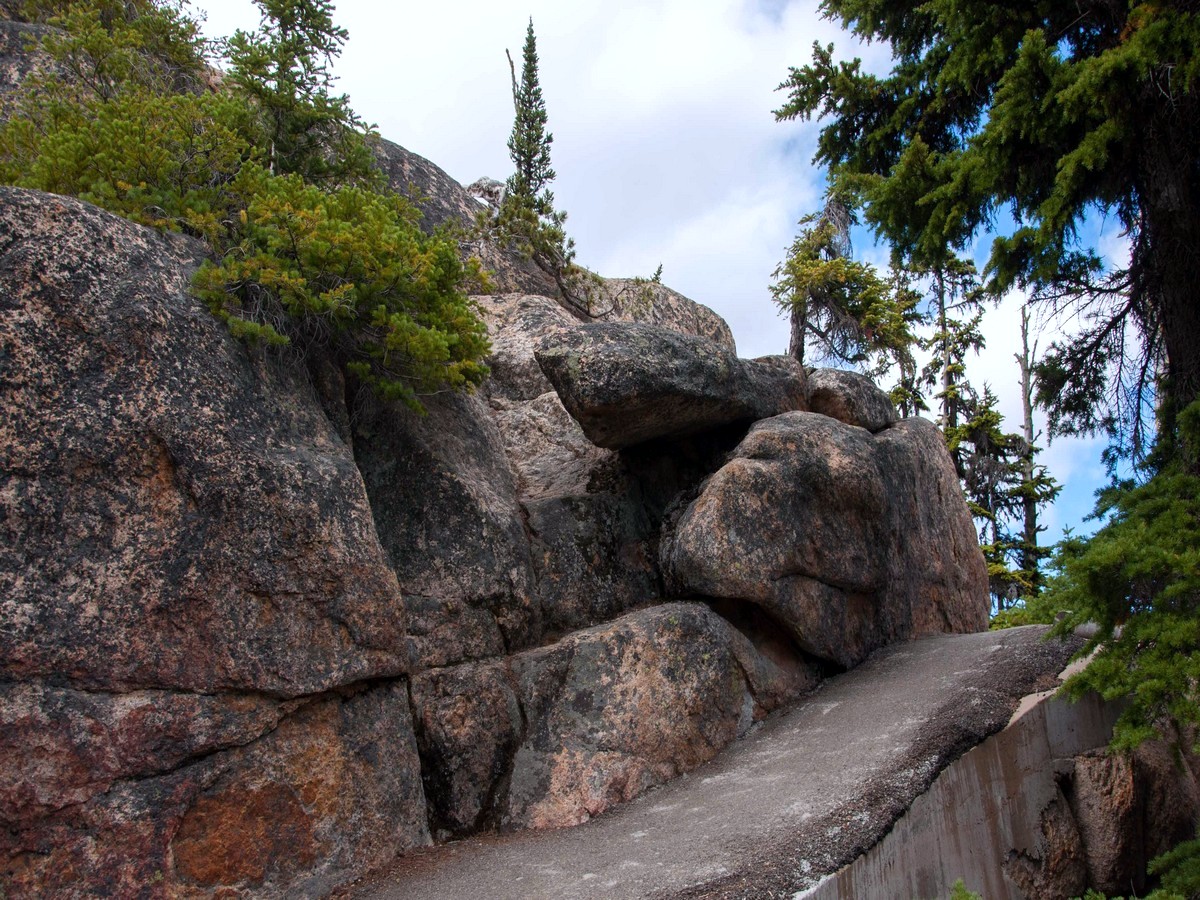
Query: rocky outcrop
(190, 573)
(1130, 808)
(857, 555)
(445, 509)
(260, 632)
(557, 735)
(441, 199)
(178, 514)
(16, 61)
(628, 384)
(850, 398)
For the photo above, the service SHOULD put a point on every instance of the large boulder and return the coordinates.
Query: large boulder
(851, 398)
(851, 541)
(445, 507)
(179, 514)
(556, 735)
(592, 514)
(630, 383)
(1131, 807)
(193, 594)
(132, 800)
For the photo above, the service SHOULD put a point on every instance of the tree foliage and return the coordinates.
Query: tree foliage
(1037, 116)
(312, 253)
(1138, 580)
(527, 218)
(845, 309)
(349, 270)
(283, 69)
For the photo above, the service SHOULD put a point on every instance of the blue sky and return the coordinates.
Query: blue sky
(665, 144)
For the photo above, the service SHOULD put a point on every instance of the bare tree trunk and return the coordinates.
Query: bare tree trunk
(796, 342)
(1029, 536)
(949, 416)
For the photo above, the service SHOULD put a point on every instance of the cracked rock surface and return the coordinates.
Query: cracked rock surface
(259, 634)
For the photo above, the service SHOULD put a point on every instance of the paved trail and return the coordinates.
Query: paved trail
(794, 800)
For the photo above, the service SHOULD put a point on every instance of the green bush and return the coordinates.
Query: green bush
(162, 160)
(126, 122)
(351, 270)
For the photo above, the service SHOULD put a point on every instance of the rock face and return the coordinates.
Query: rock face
(260, 633)
(190, 565)
(1130, 808)
(178, 516)
(628, 384)
(857, 557)
(554, 736)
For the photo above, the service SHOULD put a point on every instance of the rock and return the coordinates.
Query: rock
(516, 324)
(1169, 782)
(1108, 811)
(17, 61)
(61, 748)
(334, 788)
(850, 541)
(627, 384)
(469, 724)
(592, 518)
(441, 199)
(594, 558)
(190, 567)
(628, 300)
(177, 515)
(1130, 808)
(548, 451)
(1059, 869)
(556, 735)
(445, 508)
(593, 702)
(851, 398)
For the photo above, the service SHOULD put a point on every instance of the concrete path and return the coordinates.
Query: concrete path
(794, 800)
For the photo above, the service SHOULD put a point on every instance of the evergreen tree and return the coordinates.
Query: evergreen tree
(527, 217)
(956, 301)
(1047, 112)
(283, 67)
(990, 471)
(341, 270)
(529, 143)
(1037, 486)
(849, 313)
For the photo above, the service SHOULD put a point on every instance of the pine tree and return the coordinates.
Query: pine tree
(846, 310)
(283, 67)
(529, 143)
(956, 309)
(1045, 113)
(1037, 487)
(527, 217)
(990, 471)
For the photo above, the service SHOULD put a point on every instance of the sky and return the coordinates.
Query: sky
(665, 146)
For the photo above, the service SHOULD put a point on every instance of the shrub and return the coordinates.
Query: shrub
(351, 270)
(125, 122)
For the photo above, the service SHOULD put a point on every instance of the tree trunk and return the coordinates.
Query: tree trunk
(1029, 536)
(1170, 189)
(796, 342)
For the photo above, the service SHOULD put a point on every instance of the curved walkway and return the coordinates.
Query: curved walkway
(793, 801)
